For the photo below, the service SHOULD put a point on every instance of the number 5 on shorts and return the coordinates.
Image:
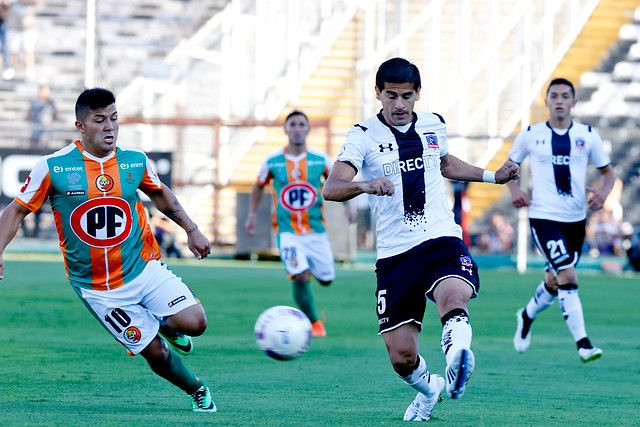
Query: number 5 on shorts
(382, 302)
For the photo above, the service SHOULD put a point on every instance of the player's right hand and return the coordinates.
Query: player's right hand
(379, 187)
(198, 244)
(519, 198)
(250, 225)
(508, 171)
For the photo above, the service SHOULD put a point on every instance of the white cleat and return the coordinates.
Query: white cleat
(521, 344)
(589, 354)
(421, 407)
(459, 371)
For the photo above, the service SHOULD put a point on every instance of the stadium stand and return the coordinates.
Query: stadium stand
(128, 35)
(610, 101)
(177, 45)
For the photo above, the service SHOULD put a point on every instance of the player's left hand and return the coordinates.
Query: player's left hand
(351, 214)
(507, 172)
(198, 244)
(597, 199)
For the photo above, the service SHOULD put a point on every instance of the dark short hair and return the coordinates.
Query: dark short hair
(397, 70)
(93, 99)
(296, 113)
(562, 82)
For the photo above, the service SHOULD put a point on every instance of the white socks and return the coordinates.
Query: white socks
(541, 300)
(571, 308)
(419, 379)
(456, 334)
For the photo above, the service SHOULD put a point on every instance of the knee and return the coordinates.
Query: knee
(300, 277)
(156, 353)
(192, 321)
(452, 301)
(567, 276)
(404, 361)
(198, 325)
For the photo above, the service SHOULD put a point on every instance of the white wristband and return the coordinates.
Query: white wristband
(489, 176)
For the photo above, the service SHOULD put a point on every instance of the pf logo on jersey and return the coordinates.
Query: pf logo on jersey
(298, 197)
(102, 222)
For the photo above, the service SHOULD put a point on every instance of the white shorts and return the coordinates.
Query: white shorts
(130, 313)
(21, 41)
(301, 252)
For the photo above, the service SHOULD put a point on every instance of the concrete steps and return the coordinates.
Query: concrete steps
(599, 34)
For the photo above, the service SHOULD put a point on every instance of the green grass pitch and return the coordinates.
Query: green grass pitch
(58, 366)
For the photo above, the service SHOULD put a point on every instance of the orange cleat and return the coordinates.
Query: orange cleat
(317, 329)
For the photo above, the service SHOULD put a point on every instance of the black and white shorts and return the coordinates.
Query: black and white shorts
(407, 280)
(560, 242)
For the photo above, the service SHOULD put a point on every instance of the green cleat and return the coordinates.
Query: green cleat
(181, 343)
(201, 400)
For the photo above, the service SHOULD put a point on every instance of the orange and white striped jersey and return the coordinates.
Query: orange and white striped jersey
(102, 225)
(297, 185)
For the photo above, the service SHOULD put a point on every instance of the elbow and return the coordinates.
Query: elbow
(327, 194)
(445, 173)
(331, 194)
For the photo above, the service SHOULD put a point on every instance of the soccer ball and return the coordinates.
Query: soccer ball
(283, 332)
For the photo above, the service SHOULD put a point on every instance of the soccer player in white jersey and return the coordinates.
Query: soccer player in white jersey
(402, 157)
(559, 151)
(110, 254)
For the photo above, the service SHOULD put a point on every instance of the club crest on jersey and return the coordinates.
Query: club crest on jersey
(432, 139)
(580, 143)
(104, 183)
(298, 197)
(102, 222)
(132, 334)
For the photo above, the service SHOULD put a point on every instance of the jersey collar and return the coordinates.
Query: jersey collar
(91, 156)
(393, 128)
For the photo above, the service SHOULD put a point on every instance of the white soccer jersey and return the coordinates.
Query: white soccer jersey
(419, 210)
(559, 168)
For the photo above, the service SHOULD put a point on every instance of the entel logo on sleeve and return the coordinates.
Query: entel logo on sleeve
(102, 222)
(298, 197)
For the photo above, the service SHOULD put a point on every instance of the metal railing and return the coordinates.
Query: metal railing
(246, 62)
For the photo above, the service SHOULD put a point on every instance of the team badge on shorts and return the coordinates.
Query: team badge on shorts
(132, 334)
(466, 264)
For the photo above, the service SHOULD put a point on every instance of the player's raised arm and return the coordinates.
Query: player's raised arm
(168, 204)
(459, 170)
(340, 185)
(10, 221)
